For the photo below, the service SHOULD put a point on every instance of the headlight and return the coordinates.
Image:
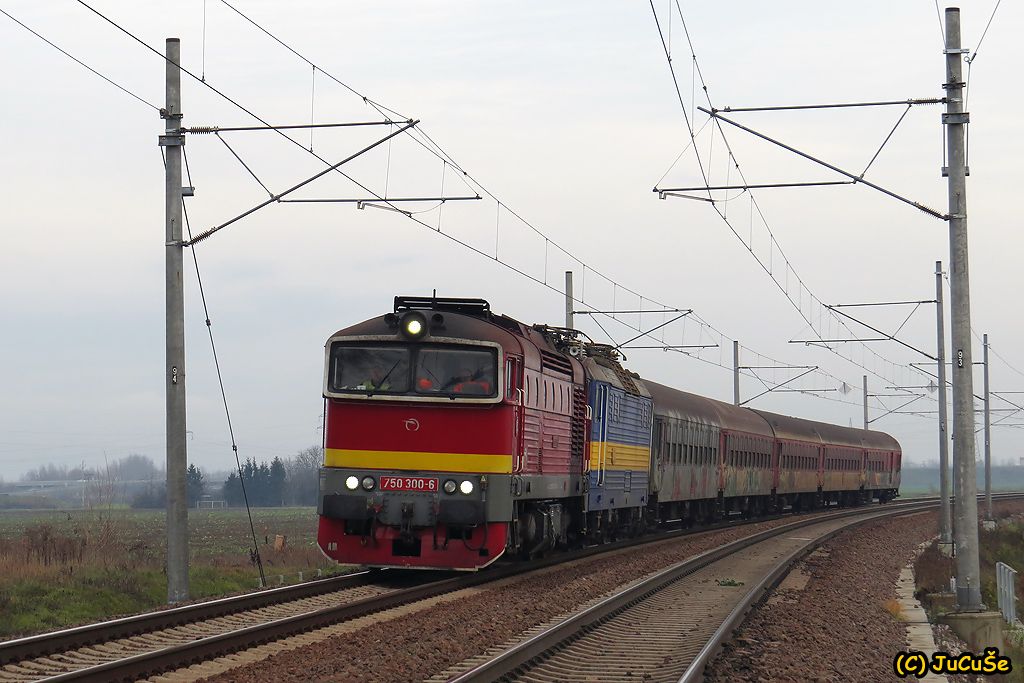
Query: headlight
(352, 483)
(368, 483)
(414, 325)
(466, 487)
(450, 486)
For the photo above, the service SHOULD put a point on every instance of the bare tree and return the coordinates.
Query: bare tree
(303, 479)
(101, 490)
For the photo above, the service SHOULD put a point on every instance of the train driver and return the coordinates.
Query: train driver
(471, 383)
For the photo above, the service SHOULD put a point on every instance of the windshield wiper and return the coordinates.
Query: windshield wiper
(385, 377)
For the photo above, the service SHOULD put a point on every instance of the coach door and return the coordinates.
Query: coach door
(601, 399)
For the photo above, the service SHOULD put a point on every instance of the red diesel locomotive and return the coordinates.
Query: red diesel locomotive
(453, 436)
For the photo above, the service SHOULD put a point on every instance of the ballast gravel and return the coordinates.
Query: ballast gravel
(831, 625)
(839, 625)
(415, 646)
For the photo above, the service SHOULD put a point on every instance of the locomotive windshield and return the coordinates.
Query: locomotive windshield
(420, 370)
(370, 369)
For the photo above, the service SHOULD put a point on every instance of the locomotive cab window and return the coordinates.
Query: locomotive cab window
(456, 371)
(370, 369)
(422, 370)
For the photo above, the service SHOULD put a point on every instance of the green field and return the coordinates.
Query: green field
(63, 568)
(925, 480)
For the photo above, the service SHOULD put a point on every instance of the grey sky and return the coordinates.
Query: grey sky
(565, 111)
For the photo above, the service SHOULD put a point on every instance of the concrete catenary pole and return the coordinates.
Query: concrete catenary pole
(735, 373)
(945, 520)
(568, 300)
(865, 401)
(177, 507)
(968, 571)
(988, 442)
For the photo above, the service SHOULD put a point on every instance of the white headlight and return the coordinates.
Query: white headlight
(414, 327)
(450, 486)
(466, 487)
(368, 483)
(352, 483)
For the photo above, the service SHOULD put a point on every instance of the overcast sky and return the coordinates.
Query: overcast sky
(568, 114)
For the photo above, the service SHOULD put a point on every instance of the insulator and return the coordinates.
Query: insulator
(203, 130)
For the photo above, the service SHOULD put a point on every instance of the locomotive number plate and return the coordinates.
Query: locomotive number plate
(408, 484)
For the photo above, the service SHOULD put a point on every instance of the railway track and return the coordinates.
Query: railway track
(667, 627)
(146, 644)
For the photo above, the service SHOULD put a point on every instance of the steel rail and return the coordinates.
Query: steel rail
(695, 671)
(22, 649)
(42, 644)
(522, 654)
(177, 656)
(58, 641)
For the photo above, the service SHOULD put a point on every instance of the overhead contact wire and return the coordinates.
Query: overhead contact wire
(773, 242)
(430, 145)
(78, 61)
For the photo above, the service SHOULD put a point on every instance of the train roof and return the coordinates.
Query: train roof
(607, 369)
(798, 429)
(453, 319)
(687, 406)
